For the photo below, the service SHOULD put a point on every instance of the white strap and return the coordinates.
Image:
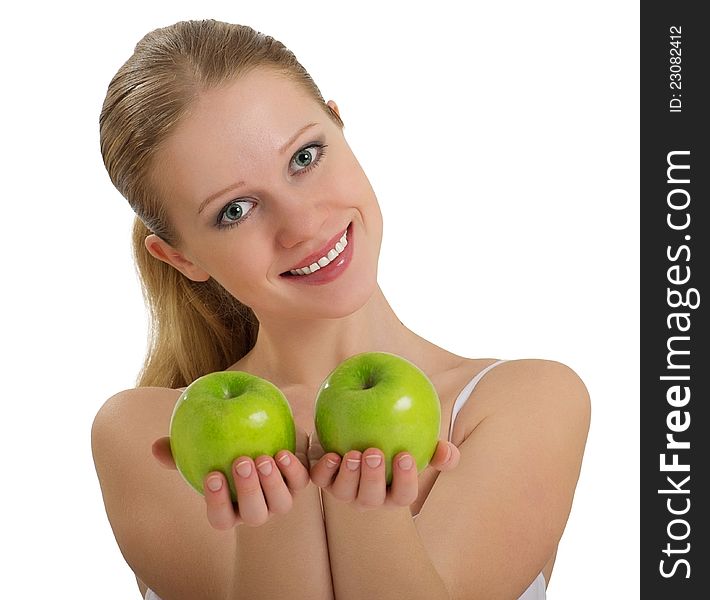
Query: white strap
(537, 589)
(466, 393)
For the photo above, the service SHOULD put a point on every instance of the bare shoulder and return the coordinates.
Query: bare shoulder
(558, 381)
(514, 485)
(159, 522)
(125, 428)
(539, 368)
(545, 402)
(530, 386)
(135, 403)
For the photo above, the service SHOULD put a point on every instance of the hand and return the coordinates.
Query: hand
(268, 488)
(359, 479)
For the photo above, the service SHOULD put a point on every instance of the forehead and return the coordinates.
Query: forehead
(231, 130)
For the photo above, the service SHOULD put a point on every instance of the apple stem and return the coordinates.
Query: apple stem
(369, 383)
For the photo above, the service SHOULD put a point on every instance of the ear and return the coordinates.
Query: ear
(161, 250)
(334, 107)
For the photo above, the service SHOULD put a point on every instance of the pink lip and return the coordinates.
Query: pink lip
(331, 271)
(311, 258)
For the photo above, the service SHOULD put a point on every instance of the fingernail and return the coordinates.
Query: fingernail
(244, 468)
(353, 463)
(406, 463)
(373, 460)
(285, 459)
(448, 453)
(331, 463)
(214, 484)
(264, 467)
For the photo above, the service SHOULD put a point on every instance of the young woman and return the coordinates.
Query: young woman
(257, 239)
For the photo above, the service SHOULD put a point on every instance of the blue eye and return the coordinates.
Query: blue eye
(308, 157)
(233, 214)
(305, 159)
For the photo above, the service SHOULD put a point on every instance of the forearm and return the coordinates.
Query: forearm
(378, 554)
(285, 558)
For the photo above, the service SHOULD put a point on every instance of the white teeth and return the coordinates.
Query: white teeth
(340, 245)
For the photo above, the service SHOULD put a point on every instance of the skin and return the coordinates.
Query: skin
(233, 134)
(508, 491)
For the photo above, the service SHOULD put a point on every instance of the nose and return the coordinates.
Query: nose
(300, 219)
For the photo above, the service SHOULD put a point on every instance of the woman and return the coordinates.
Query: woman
(257, 240)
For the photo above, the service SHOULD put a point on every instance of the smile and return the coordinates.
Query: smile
(331, 255)
(332, 263)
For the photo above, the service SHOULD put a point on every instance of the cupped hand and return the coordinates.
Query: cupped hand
(358, 478)
(265, 486)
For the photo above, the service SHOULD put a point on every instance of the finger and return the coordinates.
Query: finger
(446, 456)
(405, 483)
(315, 450)
(323, 471)
(252, 504)
(293, 471)
(220, 511)
(373, 486)
(348, 478)
(278, 496)
(302, 441)
(303, 459)
(161, 451)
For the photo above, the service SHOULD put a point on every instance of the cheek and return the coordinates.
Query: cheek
(220, 257)
(239, 265)
(350, 185)
(239, 281)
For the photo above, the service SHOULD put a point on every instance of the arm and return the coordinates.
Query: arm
(160, 525)
(279, 513)
(397, 564)
(379, 554)
(285, 558)
(489, 526)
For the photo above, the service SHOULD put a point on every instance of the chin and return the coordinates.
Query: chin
(345, 302)
(339, 302)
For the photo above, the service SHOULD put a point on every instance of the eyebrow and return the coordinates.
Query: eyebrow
(239, 184)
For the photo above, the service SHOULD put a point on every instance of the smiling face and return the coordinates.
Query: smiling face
(256, 179)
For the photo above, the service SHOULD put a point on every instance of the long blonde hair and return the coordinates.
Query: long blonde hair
(196, 327)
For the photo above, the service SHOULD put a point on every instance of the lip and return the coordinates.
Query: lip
(332, 270)
(311, 258)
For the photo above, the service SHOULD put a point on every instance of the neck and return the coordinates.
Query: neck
(302, 353)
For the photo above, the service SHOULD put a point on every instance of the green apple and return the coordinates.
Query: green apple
(379, 400)
(224, 415)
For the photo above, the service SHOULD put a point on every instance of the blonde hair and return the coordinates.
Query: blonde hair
(196, 327)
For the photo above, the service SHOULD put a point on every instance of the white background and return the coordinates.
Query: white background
(502, 141)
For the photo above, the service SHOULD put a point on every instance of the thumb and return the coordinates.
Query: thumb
(161, 452)
(302, 446)
(315, 450)
(446, 456)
